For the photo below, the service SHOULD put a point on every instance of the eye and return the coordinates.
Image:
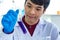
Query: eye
(38, 9)
(29, 6)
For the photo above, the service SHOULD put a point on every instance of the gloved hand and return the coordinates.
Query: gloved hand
(9, 21)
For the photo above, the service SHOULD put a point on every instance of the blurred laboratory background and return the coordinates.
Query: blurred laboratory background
(52, 13)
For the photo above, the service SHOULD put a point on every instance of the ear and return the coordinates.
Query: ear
(44, 11)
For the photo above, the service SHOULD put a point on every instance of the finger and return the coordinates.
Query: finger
(5, 21)
(11, 12)
(13, 18)
(17, 12)
(5, 17)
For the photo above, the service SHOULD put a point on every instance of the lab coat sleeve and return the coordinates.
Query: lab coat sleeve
(4, 36)
(54, 33)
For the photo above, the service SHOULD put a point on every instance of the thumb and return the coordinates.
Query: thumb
(17, 11)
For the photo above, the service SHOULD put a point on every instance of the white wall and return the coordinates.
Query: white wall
(5, 5)
(53, 7)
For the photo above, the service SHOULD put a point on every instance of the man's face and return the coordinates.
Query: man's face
(32, 11)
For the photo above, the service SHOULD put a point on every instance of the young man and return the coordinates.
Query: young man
(30, 27)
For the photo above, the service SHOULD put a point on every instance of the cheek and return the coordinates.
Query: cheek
(39, 14)
(26, 10)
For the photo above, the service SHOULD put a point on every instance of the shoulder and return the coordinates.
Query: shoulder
(48, 25)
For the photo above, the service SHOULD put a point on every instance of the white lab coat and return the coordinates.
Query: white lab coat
(43, 31)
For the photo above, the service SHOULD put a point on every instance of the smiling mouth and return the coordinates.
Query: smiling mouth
(30, 17)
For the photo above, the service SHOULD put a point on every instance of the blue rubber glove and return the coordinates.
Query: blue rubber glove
(9, 21)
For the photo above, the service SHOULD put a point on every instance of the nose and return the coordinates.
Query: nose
(32, 11)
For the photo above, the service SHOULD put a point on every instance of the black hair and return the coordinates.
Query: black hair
(41, 2)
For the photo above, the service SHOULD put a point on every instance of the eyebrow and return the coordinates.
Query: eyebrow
(39, 7)
(29, 3)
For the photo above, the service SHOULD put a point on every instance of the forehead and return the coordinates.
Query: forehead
(31, 3)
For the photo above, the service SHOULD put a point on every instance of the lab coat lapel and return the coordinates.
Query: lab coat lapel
(39, 28)
(27, 34)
